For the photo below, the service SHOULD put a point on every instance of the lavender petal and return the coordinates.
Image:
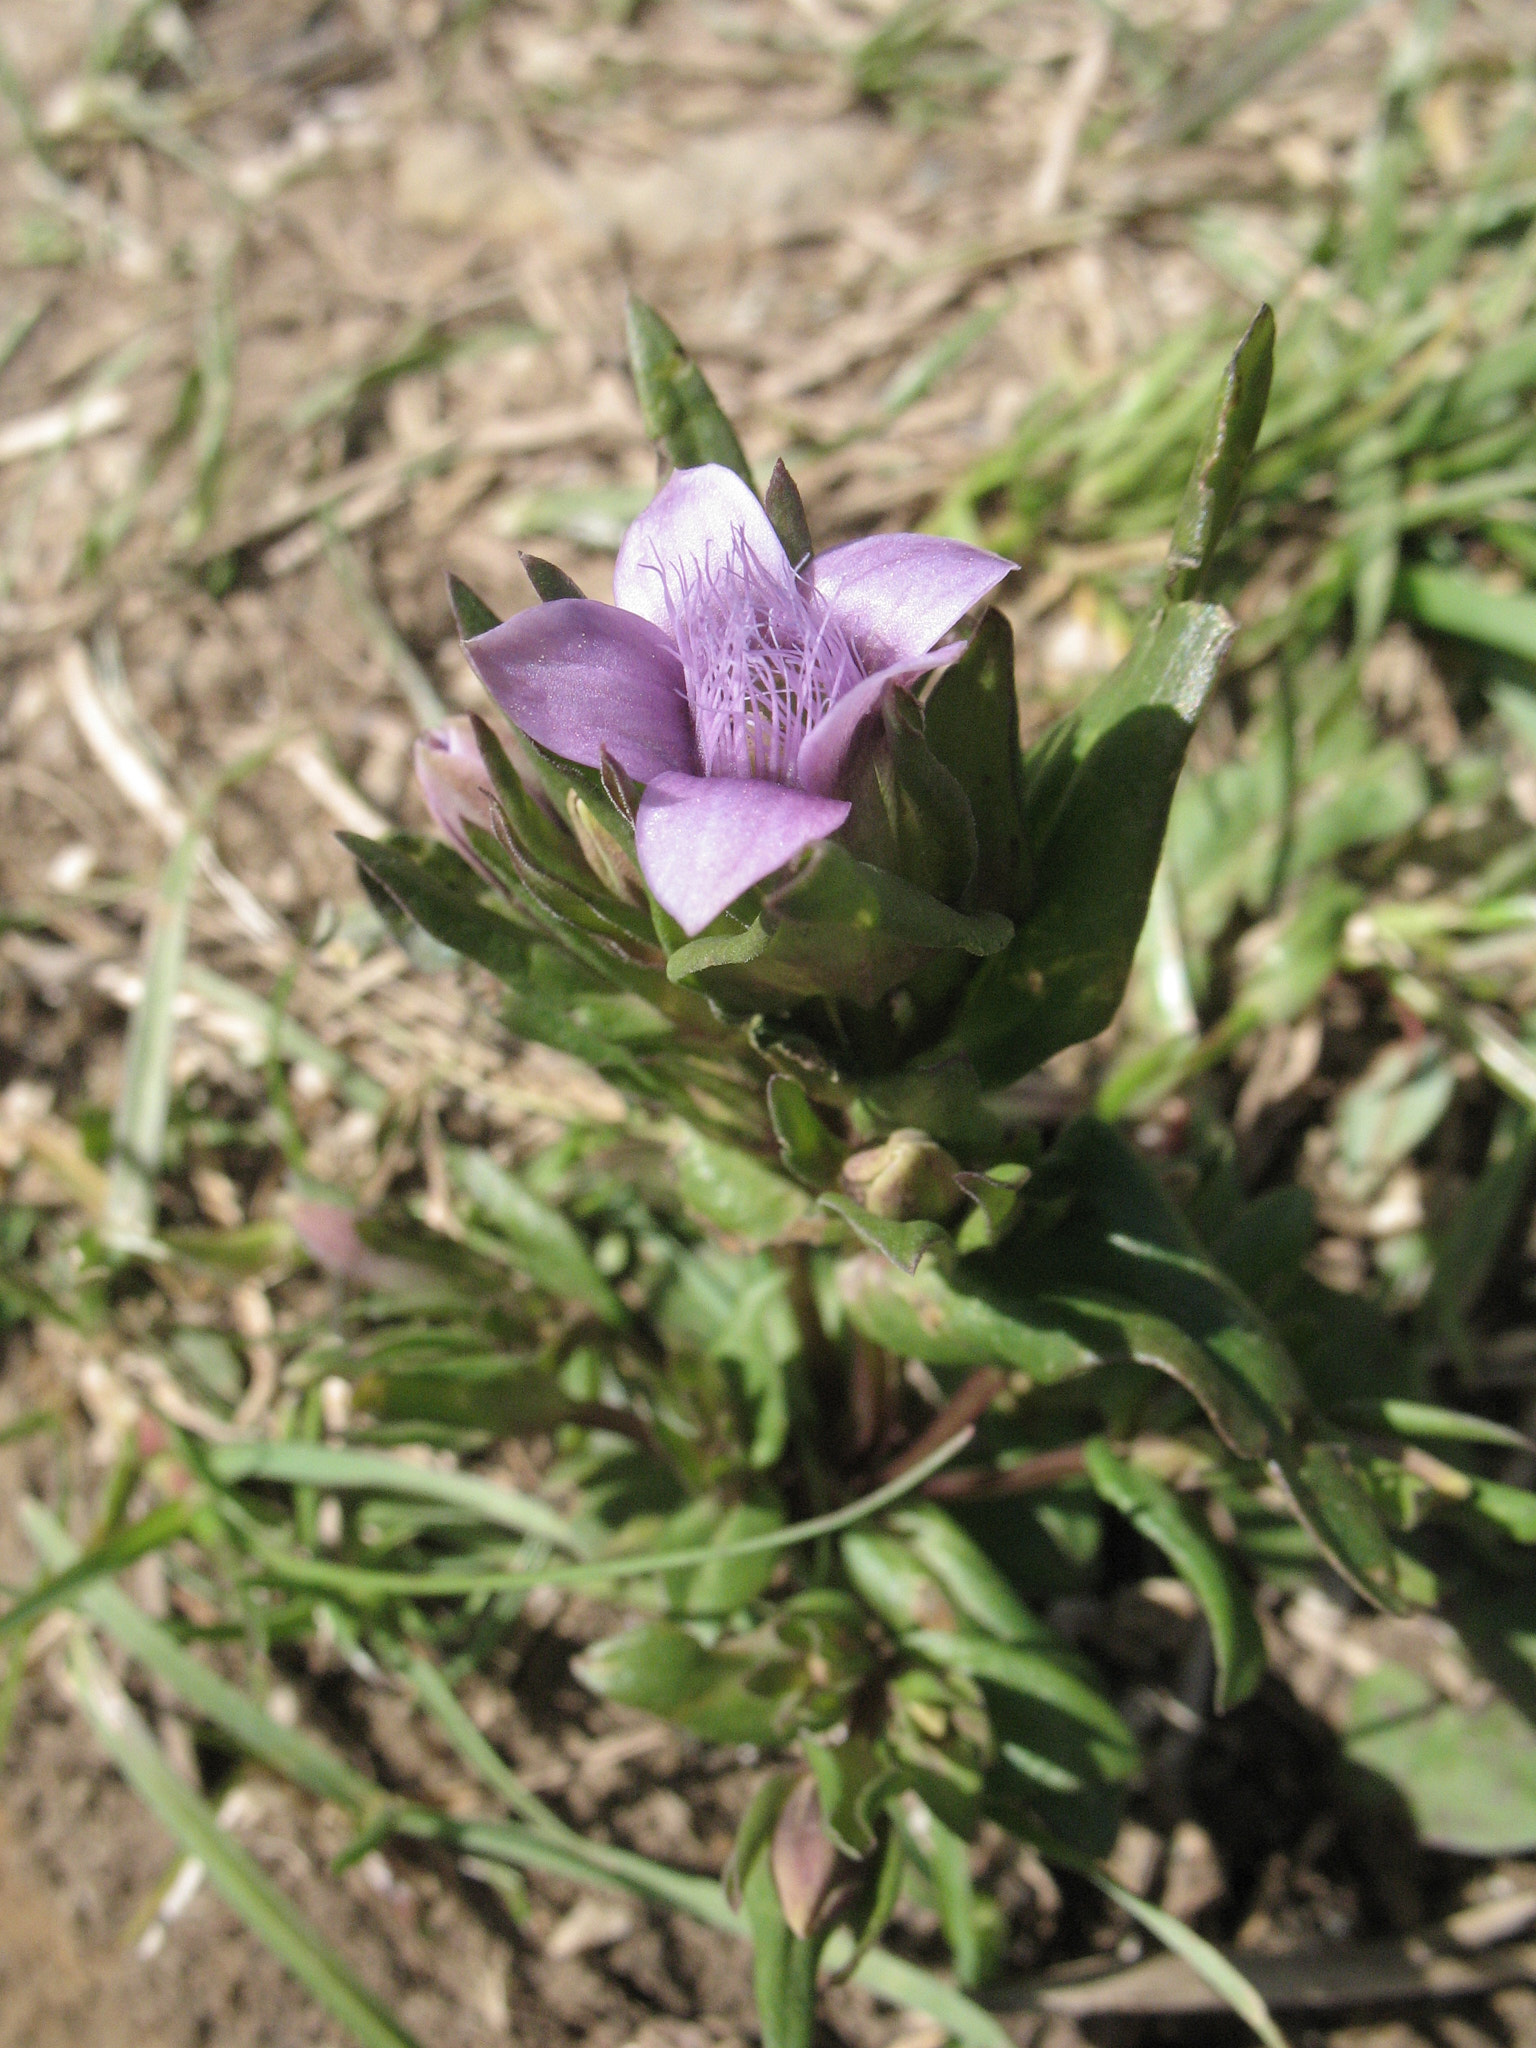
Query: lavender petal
(578, 676)
(702, 840)
(686, 534)
(895, 594)
(825, 746)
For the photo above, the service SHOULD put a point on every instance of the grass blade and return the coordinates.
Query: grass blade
(337, 1468)
(294, 1755)
(240, 1881)
(159, 1527)
(138, 1126)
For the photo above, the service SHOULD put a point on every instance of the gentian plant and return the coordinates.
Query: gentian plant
(760, 842)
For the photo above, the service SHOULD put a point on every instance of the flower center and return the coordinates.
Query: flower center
(763, 664)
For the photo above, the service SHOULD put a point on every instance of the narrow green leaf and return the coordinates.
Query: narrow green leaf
(1452, 601)
(1157, 1513)
(153, 1531)
(554, 1249)
(680, 411)
(139, 1121)
(1207, 1962)
(288, 1751)
(1423, 1420)
(335, 1468)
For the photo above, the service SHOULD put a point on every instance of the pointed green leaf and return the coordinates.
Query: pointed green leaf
(902, 1243)
(680, 411)
(1155, 1510)
(1212, 491)
(435, 889)
(1097, 794)
(554, 1249)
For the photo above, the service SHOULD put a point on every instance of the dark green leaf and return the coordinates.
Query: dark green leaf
(1212, 491)
(680, 411)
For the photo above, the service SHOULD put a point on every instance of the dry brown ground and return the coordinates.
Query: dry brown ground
(305, 303)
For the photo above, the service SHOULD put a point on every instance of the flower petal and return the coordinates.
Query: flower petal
(702, 840)
(897, 593)
(578, 676)
(687, 531)
(825, 746)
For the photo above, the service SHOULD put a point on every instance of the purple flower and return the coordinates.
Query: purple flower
(728, 680)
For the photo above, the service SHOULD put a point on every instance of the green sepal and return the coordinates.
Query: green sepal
(971, 724)
(1211, 494)
(854, 1778)
(1097, 793)
(786, 514)
(996, 1195)
(549, 582)
(471, 614)
(681, 413)
(910, 816)
(754, 1833)
(723, 949)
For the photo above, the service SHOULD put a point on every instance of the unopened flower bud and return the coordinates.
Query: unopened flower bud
(906, 1178)
(815, 1881)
